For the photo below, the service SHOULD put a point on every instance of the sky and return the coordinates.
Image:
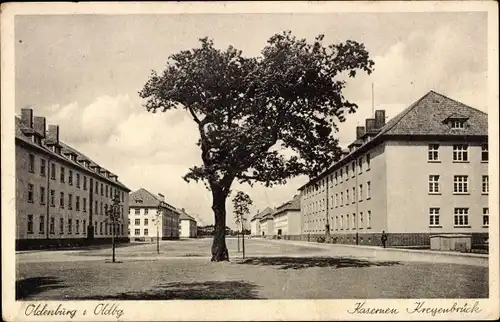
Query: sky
(84, 72)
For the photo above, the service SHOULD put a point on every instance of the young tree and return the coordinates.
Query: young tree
(241, 202)
(248, 109)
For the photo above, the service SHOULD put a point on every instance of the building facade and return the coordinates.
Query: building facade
(287, 220)
(425, 172)
(62, 196)
(188, 227)
(151, 217)
(255, 229)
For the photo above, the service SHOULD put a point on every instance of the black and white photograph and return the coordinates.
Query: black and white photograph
(312, 160)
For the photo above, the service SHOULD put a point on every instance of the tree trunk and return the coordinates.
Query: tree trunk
(219, 248)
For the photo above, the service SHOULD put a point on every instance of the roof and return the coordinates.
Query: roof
(267, 214)
(425, 117)
(184, 216)
(142, 198)
(65, 149)
(290, 205)
(261, 214)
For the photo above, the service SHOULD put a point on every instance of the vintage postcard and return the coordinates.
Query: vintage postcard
(250, 161)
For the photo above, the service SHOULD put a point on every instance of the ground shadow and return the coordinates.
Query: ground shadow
(209, 290)
(307, 262)
(34, 285)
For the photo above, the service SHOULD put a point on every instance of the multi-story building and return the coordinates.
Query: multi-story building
(266, 222)
(255, 228)
(151, 217)
(62, 196)
(287, 219)
(425, 172)
(187, 226)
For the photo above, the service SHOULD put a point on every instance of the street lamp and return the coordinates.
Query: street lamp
(157, 223)
(113, 217)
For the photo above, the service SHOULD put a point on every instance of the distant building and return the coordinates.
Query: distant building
(187, 227)
(266, 222)
(62, 196)
(287, 219)
(145, 207)
(255, 229)
(425, 172)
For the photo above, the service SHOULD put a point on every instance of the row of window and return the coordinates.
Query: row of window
(340, 175)
(460, 217)
(137, 232)
(105, 190)
(69, 227)
(460, 153)
(103, 207)
(350, 196)
(460, 184)
(341, 222)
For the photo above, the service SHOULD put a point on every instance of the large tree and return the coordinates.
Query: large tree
(249, 109)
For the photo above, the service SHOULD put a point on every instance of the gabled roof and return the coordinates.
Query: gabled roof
(20, 128)
(142, 198)
(261, 214)
(290, 205)
(267, 214)
(184, 216)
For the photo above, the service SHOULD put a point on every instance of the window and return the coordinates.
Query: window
(62, 174)
(486, 217)
(145, 212)
(70, 226)
(460, 153)
(137, 232)
(101, 208)
(42, 167)
(96, 207)
(96, 187)
(368, 190)
(53, 171)
(341, 175)
(77, 203)
(347, 222)
(341, 222)
(100, 228)
(461, 217)
(84, 183)
(123, 196)
(61, 226)
(368, 219)
(106, 209)
(360, 165)
(30, 192)
(106, 231)
(129, 221)
(42, 224)
(107, 191)
(137, 211)
(70, 177)
(353, 168)
(368, 161)
(31, 163)
(457, 124)
(485, 187)
(347, 197)
(77, 226)
(30, 224)
(361, 220)
(341, 199)
(137, 222)
(433, 153)
(52, 197)
(484, 153)
(360, 192)
(146, 232)
(42, 195)
(336, 200)
(353, 221)
(145, 221)
(336, 178)
(95, 227)
(346, 172)
(70, 201)
(84, 227)
(102, 190)
(353, 194)
(460, 184)
(433, 184)
(84, 205)
(78, 180)
(434, 217)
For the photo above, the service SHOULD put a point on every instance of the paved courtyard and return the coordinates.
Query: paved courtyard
(271, 270)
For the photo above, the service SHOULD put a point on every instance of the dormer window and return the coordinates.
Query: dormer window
(457, 124)
(456, 121)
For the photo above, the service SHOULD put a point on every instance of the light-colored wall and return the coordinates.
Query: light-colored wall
(294, 222)
(37, 209)
(408, 197)
(281, 222)
(267, 226)
(255, 227)
(314, 201)
(188, 228)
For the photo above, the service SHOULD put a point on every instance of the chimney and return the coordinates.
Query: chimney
(370, 124)
(161, 197)
(379, 118)
(360, 130)
(53, 134)
(39, 125)
(27, 117)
